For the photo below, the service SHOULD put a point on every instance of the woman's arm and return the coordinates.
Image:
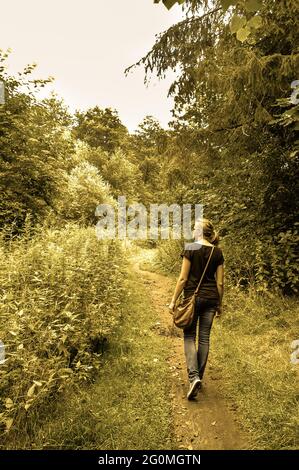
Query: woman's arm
(185, 269)
(220, 283)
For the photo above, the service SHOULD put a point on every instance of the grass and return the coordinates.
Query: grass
(252, 351)
(128, 405)
(61, 298)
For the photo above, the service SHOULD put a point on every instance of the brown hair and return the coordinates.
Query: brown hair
(206, 228)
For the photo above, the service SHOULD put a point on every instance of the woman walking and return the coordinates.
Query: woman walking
(208, 301)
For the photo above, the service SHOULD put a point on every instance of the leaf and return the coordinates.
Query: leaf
(253, 5)
(237, 23)
(64, 338)
(66, 371)
(169, 3)
(243, 34)
(8, 403)
(255, 22)
(30, 392)
(39, 384)
(251, 40)
(27, 405)
(227, 3)
(8, 423)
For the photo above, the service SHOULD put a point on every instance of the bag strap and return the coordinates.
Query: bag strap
(204, 272)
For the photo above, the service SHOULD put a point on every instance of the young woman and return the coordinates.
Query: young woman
(208, 301)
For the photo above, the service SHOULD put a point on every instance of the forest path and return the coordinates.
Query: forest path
(209, 421)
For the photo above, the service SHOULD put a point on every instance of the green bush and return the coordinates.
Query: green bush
(168, 256)
(61, 297)
(270, 263)
(277, 263)
(83, 190)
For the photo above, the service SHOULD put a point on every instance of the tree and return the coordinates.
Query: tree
(34, 145)
(100, 128)
(117, 169)
(83, 190)
(228, 113)
(148, 144)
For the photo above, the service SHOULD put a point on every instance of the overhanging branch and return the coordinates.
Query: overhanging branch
(181, 24)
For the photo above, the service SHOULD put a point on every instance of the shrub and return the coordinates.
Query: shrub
(61, 298)
(168, 256)
(84, 190)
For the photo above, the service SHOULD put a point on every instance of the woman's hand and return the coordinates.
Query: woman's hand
(171, 307)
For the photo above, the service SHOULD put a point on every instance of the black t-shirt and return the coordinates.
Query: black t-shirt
(198, 255)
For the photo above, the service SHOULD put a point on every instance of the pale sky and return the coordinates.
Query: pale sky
(86, 45)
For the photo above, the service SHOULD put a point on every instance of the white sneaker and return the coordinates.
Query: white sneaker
(194, 387)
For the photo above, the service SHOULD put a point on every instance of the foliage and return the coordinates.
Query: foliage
(147, 147)
(276, 263)
(232, 146)
(84, 189)
(234, 116)
(100, 128)
(108, 414)
(244, 22)
(61, 295)
(33, 146)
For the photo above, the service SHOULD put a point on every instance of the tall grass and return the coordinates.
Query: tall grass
(61, 298)
(127, 406)
(167, 258)
(252, 348)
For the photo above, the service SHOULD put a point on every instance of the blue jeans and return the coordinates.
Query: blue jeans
(196, 359)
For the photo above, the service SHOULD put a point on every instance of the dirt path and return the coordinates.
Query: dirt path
(209, 422)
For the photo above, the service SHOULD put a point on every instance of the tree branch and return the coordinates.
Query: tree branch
(177, 25)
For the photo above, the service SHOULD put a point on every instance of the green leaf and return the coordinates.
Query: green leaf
(255, 22)
(27, 405)
(8, 423)
(243, 33)
(253, 5)
(227, 3)
(30, 392)
(251, 40)
(8, 403)
(39, 384)
(237, 23)
(169, 3)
